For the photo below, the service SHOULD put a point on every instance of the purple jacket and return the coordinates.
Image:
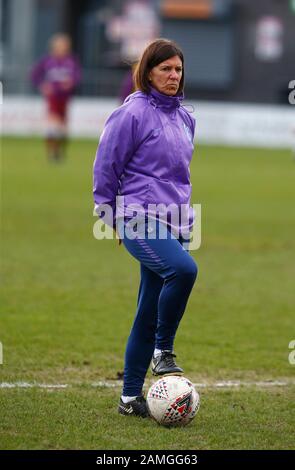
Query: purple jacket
(144, 155)
(55, 71)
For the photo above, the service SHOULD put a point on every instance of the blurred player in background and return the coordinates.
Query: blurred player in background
(56, 76)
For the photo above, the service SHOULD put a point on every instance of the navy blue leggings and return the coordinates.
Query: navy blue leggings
(168, 273)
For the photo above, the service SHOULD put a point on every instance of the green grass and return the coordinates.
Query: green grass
(67, 303)
(83, 418)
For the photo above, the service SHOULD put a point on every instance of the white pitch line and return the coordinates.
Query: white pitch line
(224, 384)
(229, 384)
(30, 385)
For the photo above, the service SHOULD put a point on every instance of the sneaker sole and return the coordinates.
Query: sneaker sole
(156, 374)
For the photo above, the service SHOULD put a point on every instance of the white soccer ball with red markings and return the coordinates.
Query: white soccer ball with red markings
(173, 401)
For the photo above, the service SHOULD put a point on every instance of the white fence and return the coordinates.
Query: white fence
(217, 123)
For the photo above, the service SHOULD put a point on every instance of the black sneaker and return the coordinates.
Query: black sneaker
(164, 364)
(135, 407)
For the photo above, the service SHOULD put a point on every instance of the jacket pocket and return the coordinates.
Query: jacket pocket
(168, 192)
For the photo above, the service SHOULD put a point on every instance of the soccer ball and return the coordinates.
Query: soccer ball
(173, 401)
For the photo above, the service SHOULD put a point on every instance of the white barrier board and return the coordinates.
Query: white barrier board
(217, 123)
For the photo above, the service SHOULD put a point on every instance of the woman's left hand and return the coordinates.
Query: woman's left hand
(119, 239)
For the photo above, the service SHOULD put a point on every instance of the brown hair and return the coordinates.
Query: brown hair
(158, 51)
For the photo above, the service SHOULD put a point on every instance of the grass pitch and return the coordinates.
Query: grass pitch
(68, 300)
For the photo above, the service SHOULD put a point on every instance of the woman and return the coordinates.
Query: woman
(56, 76)
(144, 156)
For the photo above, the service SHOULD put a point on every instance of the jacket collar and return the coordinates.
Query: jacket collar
(160, 100)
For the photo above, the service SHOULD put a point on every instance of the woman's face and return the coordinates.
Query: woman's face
(166, 76)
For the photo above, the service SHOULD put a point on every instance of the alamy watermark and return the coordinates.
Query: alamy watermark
(135, 221)
(292, 353)
(292, 93)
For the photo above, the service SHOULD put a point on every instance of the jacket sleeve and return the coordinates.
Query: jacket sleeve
(116, 147)
(190, 121)
(193, 126)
